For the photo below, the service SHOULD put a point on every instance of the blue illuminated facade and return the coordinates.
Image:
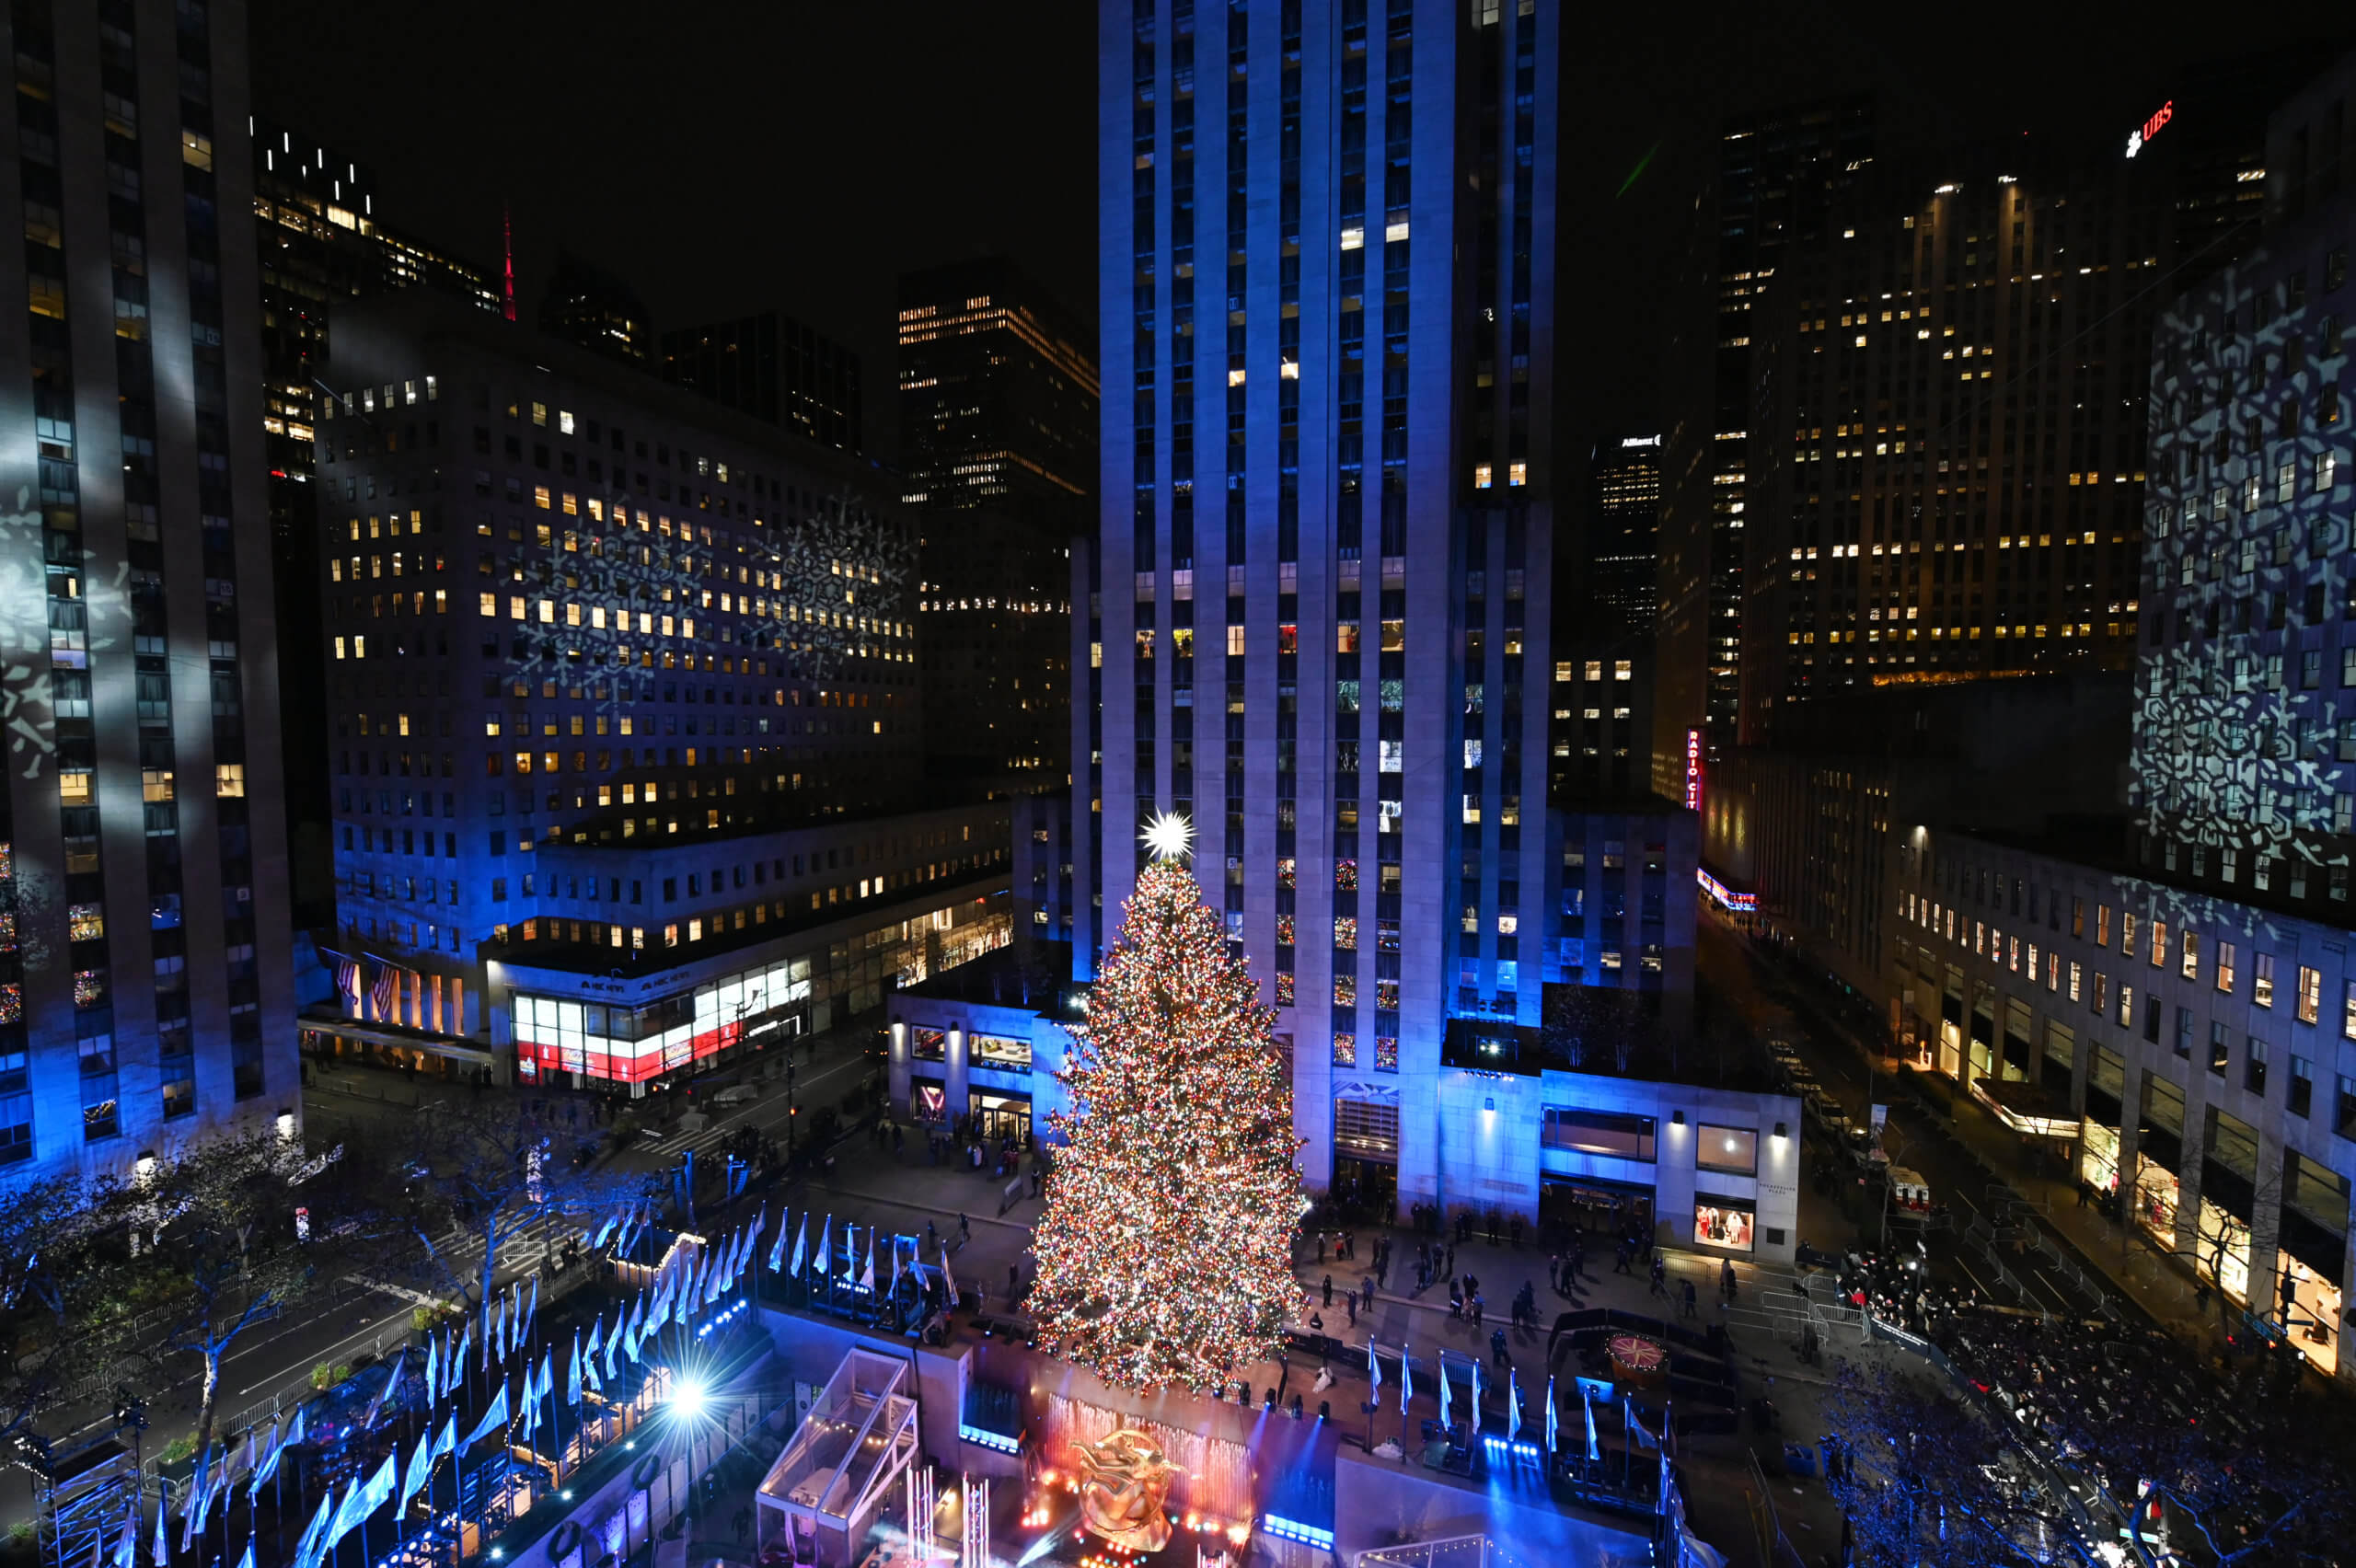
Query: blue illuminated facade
(622, 688)
(1318, 600)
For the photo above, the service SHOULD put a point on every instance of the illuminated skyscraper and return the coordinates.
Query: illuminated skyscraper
(1776, 170)
(1317, 617)
(321, 244)
(997, 396)
(999, 436)
(145, 991)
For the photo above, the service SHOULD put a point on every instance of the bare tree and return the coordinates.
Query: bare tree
(1927, 1481)
(493, 1170)
(222, 1237)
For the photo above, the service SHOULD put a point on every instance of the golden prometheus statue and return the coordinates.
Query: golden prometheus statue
(1123, 1482)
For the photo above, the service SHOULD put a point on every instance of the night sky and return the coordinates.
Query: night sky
(800, 156)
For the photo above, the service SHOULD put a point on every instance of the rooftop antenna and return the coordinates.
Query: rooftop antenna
(507, 233)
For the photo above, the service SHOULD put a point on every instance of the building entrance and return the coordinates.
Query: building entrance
(999, 1115)
(1366, 1186)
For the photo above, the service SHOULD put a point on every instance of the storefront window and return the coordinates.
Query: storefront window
(928, 1102)
(2156, 1198)
(1001, 1052)
(2310, 1306)
(1731, 1150)
(1722, 1222)
(1599, 1132)
(928, 1044)
(2223, 1252)
(2100, 1165)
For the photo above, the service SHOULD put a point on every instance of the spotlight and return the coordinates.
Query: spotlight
(688, 1399)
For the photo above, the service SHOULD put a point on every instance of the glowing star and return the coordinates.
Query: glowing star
(1168, 837)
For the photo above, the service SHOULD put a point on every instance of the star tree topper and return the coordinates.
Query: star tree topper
(1168, 837)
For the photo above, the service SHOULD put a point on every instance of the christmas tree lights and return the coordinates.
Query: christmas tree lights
(1165, 1252)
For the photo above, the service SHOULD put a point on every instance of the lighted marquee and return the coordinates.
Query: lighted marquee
(1693, 770)
(632, 1044)
(1741, 903)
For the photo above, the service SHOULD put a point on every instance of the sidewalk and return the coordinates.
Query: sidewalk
(2132, 1265)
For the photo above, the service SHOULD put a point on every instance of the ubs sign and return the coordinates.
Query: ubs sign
(2150, 128)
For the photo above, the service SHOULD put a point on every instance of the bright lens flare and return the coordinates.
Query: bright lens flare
(689, 1398)
(1167, 836)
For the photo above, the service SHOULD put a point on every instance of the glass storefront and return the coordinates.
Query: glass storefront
(928, 1102)
(1723, 1222)
(2223, 1252)
(2155, 1200)
(633, 1044)
(1000, 1113)
(1591, 1203)
(2311, 1307)
(2099, 1164)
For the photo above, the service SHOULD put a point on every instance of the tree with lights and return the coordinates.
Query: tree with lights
(1165, 1252)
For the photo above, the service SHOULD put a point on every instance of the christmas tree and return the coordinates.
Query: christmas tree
(1165, 1252)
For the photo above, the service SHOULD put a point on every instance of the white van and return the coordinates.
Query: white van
(1909, 1195)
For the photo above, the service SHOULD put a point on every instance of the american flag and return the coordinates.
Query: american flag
(381, 994)
(347, 978)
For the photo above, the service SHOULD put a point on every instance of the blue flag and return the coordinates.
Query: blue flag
(494, 1419)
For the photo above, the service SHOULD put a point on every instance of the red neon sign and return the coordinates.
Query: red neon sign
(1693, 770)
(2150, 128)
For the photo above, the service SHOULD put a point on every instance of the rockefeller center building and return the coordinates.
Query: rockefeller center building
(1317, 614)
(146, 994)
(622, 717)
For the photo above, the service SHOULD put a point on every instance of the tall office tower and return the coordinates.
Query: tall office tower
(1622, 549)
(587, 305)
(998, 430)
(145, 987)
(1321, 621)
(774, 369)
(2244, 730)
(619, 682)
(1777, 169)
(998, 397)
(1605, 597)
(1946, 480)
(322, 243)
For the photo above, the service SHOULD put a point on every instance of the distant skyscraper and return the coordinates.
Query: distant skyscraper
(1605, 598)
(1623, 537)
(998, 397)
(1947, 463)
(587, 305)
(145, 986)
(1318, 619)
(998, 435)
(320, 244)
(1776, 171)
(774, 369)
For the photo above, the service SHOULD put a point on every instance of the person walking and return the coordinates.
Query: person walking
(1329, 1290)
(1351, 1301)
(1369, 1294)
(1477, 1311)
(1659, 1275)
(1726, 1283)
(1690, 1297)
(964, 1230)
(1455, 1299)
(1497, 1349)
(1320, 1246)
